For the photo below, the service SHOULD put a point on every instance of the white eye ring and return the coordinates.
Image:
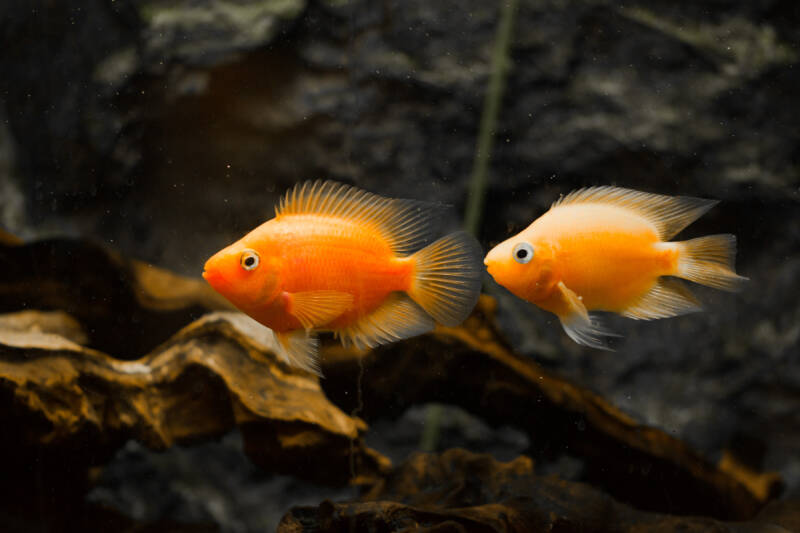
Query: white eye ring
(249, 259)
(523, 253)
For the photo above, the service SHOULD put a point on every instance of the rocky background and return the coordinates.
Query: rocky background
(166, 129)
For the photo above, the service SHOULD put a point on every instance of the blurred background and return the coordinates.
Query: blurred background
(167, 129)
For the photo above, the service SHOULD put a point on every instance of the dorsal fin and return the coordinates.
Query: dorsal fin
(405, 224)
(669, 214)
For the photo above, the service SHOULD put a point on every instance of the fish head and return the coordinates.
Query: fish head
(524, 266)
(247, 273)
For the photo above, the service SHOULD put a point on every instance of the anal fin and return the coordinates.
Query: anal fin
(397, 318)
(317, 308)
(668, 297)
(581, 326)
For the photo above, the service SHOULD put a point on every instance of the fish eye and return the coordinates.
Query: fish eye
(249, 259)
(523, 252)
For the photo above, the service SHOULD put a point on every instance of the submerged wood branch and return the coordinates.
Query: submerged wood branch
(461, 491)
(471, 366)
(205, 380)
(74, 387)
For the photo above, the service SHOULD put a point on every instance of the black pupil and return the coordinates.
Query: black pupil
(522, 253)
(249, 261)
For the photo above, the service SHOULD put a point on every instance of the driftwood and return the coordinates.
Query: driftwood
(126, 306)
(470, 366)
(96, 350)
(205, 380)
(458, 491)
(66, 407)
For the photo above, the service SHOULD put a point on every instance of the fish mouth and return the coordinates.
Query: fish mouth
(489, 267)
(212, 277)
(489, 262)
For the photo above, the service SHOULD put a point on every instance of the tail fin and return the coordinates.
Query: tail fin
(710, 261)
(447, 280)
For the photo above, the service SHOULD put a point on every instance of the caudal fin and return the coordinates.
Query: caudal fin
(447, 279)
(710, 261)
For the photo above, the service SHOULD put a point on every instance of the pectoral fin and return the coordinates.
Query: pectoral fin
(578, 323)
(317, 308)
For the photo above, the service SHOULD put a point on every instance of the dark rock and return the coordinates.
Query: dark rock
(211, 482)
(459, 491)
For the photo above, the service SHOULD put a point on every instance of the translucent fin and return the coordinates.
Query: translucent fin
(447, 279)
(588, 331)
(397, 318)
(669, 297)
(581, 326)
(710, 261)
(248, 326)
(669, 214)
(317, 308)
(295, 348)
(299, 349)
(406, 225)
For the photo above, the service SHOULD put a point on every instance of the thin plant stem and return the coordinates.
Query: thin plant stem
(429, 439)
(491, 109)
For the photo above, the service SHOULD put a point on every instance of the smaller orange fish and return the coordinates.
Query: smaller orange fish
(606, 249)
(336, 258)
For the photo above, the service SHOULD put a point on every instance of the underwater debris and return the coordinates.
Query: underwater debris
(129, 306)
(206, 379)
(473, 368)
(461, 491)
(66, 406)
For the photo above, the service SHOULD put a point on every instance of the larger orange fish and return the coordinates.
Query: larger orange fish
(337, 258)
(606, 249)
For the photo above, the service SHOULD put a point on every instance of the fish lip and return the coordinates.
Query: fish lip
(212, 277)
(489, 261)
(489, 268)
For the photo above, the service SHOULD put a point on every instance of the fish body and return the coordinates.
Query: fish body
(336, 258)
(608, 249)
(323, 253)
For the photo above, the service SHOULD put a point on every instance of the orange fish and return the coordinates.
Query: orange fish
(606, 249)
(336, 258)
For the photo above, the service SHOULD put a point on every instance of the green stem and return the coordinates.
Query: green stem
(480, 169)
(491, 110)
(430, 433)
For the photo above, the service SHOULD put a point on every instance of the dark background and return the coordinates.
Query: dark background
(168, 129)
